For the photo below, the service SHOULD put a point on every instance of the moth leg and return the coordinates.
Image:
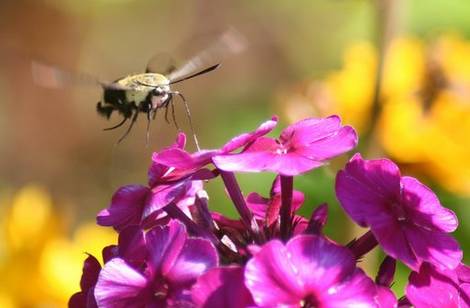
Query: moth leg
(166, 113)
(134, 118)
(188, 113)
(117, 125)
(147, 136)
(154, 113)
(173, 114)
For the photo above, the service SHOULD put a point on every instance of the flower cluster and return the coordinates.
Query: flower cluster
(173, 251)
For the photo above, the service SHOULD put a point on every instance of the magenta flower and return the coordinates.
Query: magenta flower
(86, 298)
(179, 159)
(404, 215)
(173, 264)
(431, 287)
(303, 146)
(126, 207)
(141, 205)
(222, 287)
(157, 172)
(308, 271)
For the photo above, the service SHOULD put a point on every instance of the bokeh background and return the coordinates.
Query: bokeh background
(397, 70)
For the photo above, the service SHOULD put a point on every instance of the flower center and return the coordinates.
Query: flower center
(161, 290)
(398, 211)
(281, 151)
(282, 148)
(310, 301)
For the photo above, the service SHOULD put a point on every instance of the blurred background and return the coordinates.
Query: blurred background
(398, 71)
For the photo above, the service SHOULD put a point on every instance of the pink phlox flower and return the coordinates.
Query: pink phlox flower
(173, 264)
(308, 270)
(404, 215)
(433, 287)
(183, 162)
(301, 147)
(141, 205)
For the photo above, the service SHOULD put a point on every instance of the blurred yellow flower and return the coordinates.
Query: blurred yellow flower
(40, 265)
(425, 97)
(347, 92)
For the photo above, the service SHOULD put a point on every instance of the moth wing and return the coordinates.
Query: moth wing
(161, 63)
(229, 42)
(50, 76)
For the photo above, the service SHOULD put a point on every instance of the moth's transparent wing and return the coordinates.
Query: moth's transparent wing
(51, 76)
(229, 42)
(161, 63)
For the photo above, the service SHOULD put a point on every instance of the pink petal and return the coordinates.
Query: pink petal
(257, 204)
(125, 208)
(90, 272)
(300, 225)
(156, 170)
(155, 173)
(463, 272)
(225, 222)
(272, 278)
(438, 248)
(249, 162)
(164, 245)
(119, 285)
(298, 199)
(366, 188)
(394, 241)
(197, 256)
(264, 155)
(327, 263)
(78, 300)
(180, 159)
(464, 299)
(190, 196)
(310, 130)
(318, 219)
(246, 138)
(425, 208)
(163, 195)
(430, 288)
(109, 252)
(222, 287)
(385, 298)
(342, 141)
(357, 290)
(131, 245)
(180, 141)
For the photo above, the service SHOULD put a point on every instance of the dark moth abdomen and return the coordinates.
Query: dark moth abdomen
(125, 102)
